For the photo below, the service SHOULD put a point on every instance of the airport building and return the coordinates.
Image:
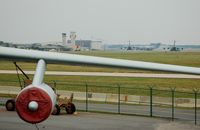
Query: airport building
(89, 45)
(70, 44)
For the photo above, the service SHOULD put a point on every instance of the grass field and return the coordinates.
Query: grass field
(74, 82)
(78, 82)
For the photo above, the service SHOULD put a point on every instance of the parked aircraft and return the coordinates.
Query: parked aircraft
(36, 102)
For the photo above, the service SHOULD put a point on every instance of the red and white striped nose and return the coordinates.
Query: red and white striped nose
(34, 105)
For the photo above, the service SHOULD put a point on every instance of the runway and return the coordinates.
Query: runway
(92, 121)
(141, 75)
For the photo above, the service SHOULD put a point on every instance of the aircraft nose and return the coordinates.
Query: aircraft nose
(33, 106)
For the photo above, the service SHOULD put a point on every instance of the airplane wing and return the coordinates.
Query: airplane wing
(65, 58)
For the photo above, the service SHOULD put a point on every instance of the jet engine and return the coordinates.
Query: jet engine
(36, 102)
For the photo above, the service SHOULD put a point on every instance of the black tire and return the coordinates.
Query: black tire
(56, 110)
(10, 105)
(70, 109)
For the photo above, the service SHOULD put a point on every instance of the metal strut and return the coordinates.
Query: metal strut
(18, 68)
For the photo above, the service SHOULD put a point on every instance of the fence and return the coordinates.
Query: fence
(125, 99)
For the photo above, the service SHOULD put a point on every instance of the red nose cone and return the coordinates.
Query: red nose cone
(41, 98)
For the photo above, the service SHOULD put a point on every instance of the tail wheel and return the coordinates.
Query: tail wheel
(56, 110)
(70, 108)
(10, 105)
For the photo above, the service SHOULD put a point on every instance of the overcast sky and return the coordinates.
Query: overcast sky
(108, 20)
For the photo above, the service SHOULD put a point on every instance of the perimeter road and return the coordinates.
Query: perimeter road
(140, 75)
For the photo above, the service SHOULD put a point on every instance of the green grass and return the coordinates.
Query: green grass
(179, 58)
(134, 86)
(7, 95)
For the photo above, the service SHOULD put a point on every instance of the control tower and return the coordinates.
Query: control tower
(73, 39)
(64, 37)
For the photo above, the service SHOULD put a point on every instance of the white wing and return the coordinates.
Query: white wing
(60, 58)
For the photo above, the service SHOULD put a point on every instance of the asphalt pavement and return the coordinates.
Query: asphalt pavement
(92, 121)
(166, 112)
